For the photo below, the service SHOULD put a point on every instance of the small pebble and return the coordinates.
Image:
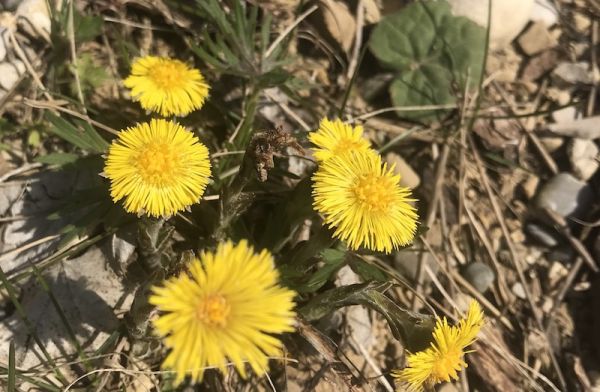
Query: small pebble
(564, 194)
(573, 73)
(10, 72)
(536, 39)
(562, 254)
(519, 291)
(480, 276)
(541, 234)
(583, 155)
(408, 177)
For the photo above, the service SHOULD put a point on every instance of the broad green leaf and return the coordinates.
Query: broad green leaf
(412, 329)
(91, 75)
(87, 27)
(333, 260)
(365, 270)
(433, 52)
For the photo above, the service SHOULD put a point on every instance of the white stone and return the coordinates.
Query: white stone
(508, 17)
(565, 114)
(10, 72)
(583, 155)
(544, 11)
(33, 17)
(585, 128)
(3, 42)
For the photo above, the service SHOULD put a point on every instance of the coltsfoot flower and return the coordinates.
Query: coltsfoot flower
(362, 199)
(166, 86)
(227, 307)
(445, 358)
(159, 168)
(337, 137)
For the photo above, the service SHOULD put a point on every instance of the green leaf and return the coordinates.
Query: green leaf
(412, 329)
(333, 260)
(365, 270)
(87, 27)
(433, 52)
(83, 135)
(58, 158)
(91, 76)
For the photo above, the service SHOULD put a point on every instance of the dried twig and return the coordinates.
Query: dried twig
(515, 261)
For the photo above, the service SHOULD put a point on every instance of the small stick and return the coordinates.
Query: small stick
(561, 225)
(515, 261)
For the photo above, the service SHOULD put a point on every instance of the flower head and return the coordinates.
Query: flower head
(445, 357)
(159, 168)
(166, 86)
(226, 308)
(362, 199)
(336, 137)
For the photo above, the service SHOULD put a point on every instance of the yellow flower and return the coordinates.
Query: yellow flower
(363, 200)
(159, 167)
(445, 357)
(335, 138)
(166, 86)
(227, 308)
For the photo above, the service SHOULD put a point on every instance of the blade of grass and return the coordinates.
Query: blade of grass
(11, 367)
(21, 312)
(43, 386)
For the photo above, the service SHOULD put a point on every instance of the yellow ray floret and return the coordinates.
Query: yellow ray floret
(226, 308)
(166, 86)
(335, 138)
(159, 168)
(362, 199)
(445, 358)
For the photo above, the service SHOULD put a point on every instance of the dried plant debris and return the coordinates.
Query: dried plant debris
(288, 195)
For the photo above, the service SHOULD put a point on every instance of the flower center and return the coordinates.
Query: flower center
(213, 310)
(374, 193)
(166, 75)
(446, 364)
(157, 163)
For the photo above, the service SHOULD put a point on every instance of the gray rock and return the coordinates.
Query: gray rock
(480, 275)
(562, 254)
(573, 73)
(541, 234)
(586, 128)
(9, 5)
(87, 291)
(583, 155)
(564, 194)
